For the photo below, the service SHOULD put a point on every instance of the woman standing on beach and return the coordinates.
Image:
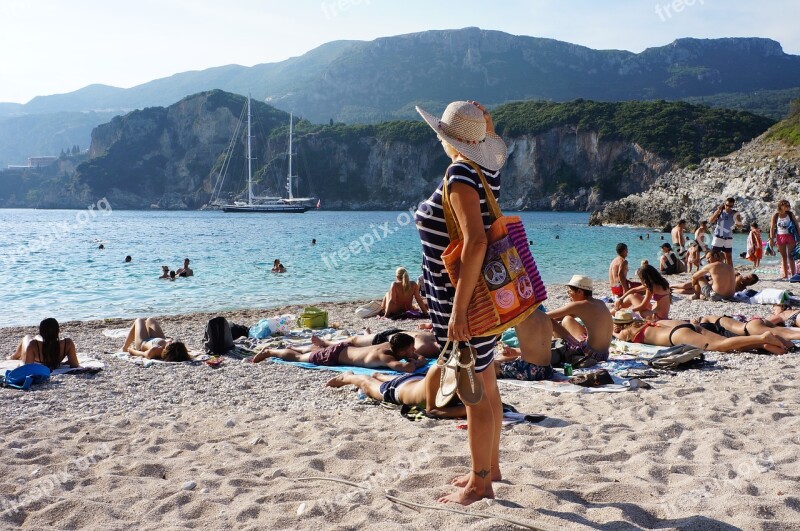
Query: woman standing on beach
(467, 134)
(782, 231)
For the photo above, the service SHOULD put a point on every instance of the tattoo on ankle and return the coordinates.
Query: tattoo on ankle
(481, 473)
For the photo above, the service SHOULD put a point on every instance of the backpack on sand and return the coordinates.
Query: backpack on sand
(218, 338)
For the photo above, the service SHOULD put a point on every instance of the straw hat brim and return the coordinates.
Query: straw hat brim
(490, 153)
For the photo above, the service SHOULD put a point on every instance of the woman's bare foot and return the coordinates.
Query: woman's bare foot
(261, 356)
(467, 496)
(340, 380)
(425, 326)
(772, 343)
(463, 481)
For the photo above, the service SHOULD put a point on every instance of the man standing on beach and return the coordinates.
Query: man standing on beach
(725, 218)
(618, 272)
(679, 240)
(593, 337)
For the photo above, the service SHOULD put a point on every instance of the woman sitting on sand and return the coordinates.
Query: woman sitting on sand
(654, 288)
(146, 339)
(46, 348)
(401, 296)
(671, 333)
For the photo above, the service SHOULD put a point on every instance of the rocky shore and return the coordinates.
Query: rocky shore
(757, 176)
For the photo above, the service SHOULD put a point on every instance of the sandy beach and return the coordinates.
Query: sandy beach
(180, 447)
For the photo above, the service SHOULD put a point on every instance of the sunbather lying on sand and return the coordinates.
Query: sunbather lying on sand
(146, 339)
(670, 333)
(732, 327)
(784, 317)
(405, 390)
(46, 348)
(389, 354)
(424, 342)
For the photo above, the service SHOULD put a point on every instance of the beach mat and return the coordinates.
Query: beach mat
(346, 368)
(561, 384)
(197, 359)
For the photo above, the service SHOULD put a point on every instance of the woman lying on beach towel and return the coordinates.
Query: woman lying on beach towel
(424, 342)
(405, 390)
(654, 288)
(46, 348)
(782, 316)
(146, 339)
(741, 326)
(670, 333)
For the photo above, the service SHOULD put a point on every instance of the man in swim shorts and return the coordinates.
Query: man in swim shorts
(424, 342)
(618, 272)
(405, 390)
(387, 355)
(593, 337)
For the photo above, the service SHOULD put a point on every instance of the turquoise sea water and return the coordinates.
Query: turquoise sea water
(50, 264)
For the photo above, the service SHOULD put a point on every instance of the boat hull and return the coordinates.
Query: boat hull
(265, 209)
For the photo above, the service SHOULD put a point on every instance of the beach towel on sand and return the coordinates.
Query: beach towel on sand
(346, 368)
(197, 359)
(86, 361)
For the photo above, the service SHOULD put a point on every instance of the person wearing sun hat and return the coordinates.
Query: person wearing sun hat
(467, 135)
(591, 336)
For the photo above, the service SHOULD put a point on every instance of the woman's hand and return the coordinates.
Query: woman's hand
(486, 116)
(458, 328)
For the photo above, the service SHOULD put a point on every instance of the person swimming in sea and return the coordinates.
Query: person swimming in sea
(277, 267)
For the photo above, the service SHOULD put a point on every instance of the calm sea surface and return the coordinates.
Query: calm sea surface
(50, 264)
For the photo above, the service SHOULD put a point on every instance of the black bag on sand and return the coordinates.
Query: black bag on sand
(238, 331)
(561, 353)
(218, 338)
(592, 379)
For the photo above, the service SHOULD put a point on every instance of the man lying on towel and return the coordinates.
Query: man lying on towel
(384, 355)
(424, 342)
(405, 390)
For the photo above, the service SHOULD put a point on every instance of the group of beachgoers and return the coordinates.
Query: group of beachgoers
(184, 271)
(641, 313)
(684, 254)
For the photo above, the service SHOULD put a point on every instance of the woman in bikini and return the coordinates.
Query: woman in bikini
(146, 339)
(670, 333)
(401, 296)
(654, 288)
(740, 325)
(46, 348)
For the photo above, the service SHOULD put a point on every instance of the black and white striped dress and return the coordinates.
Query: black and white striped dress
(433, 234)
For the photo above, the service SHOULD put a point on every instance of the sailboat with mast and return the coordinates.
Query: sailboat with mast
(254, 204)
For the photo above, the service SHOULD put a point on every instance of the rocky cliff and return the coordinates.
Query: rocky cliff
(573, 156)
(761, 173)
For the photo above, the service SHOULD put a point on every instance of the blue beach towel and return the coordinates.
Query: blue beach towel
(346, 368)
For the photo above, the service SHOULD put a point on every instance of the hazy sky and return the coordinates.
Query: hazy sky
(56, 46)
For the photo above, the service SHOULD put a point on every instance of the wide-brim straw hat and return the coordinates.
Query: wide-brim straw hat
(581, 282)
(463, 126)
(623, 317)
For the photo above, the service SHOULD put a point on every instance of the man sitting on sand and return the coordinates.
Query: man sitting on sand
(714, 282)
(388, 355)
(425, 344)
(593, 337)
(405, 390)
(618, 272)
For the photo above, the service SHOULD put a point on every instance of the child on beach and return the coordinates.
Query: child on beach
(693, 257)
(755, 249)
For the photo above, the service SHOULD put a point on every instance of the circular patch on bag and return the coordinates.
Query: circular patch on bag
(504, 298)
(524, 287)
(495, 273)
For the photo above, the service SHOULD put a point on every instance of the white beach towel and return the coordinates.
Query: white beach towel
(86, 361)
(195, 356)
(116, 333)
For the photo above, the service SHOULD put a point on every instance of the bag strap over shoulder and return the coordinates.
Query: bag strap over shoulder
(453, 228)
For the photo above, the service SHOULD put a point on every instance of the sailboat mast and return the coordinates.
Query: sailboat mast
(290, 156)
(249, 158)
